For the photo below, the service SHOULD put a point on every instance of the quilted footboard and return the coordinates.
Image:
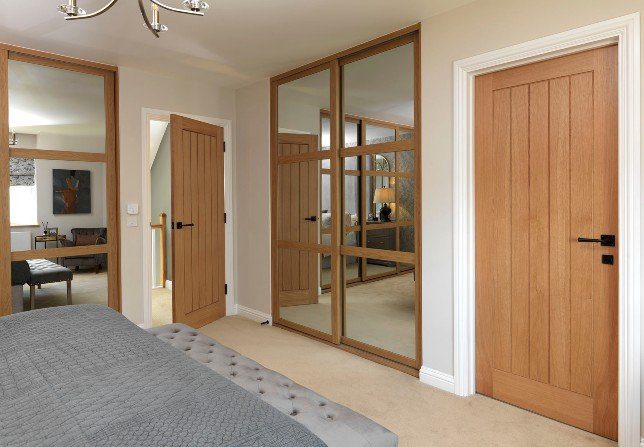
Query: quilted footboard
(334, 424)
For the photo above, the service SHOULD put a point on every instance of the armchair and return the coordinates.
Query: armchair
(86, 236)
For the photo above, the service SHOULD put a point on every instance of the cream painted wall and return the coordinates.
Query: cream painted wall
(473, 29)
(138, 90)
(252, 193)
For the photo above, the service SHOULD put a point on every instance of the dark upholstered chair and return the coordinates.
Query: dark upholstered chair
(86, 236)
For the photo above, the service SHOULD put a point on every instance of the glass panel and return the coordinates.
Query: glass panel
(380, 199)
(59, 204)
(407, 239)
(303, 203)
(381, 238)
(83, 280)
(325, 270)
(405, 206)
(56, 109)
(353, 265)
(405, 134)
(351, 133)
(379, 134)
(405, 162)
(302, 300)
(381, 87)
(326, 133)
(381, 162)
(382, 313)
(377, 267)
(299, 105)
(351, 200)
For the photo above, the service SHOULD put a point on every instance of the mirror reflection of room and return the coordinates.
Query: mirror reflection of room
(378, 192)
(56, 203)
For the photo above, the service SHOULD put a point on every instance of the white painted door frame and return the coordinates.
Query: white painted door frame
(148, 115)
(625, 31)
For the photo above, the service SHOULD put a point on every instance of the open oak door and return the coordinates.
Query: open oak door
(198, 246)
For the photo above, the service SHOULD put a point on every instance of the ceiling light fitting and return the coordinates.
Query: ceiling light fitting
(191, 7)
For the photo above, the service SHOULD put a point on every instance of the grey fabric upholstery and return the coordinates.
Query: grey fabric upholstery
(334, 424)
(95, 261)
(45, 272)
(85, 376)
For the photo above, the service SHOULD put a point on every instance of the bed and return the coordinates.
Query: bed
(86, 376)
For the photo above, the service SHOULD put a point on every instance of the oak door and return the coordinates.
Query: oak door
(298, 220)
(546, 300)
(197, 221)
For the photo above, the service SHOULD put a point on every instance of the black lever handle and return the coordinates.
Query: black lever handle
(180, 225)
(606, 240)
(312, 218)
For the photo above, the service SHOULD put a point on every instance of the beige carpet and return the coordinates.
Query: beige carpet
(421, 415)
(88, 287)
(161, 306)
(380, 313)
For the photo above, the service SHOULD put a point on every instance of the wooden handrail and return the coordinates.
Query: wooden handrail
(162, 253)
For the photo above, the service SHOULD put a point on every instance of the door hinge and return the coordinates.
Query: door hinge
(224, 146)
(225, 289)
(225, 218)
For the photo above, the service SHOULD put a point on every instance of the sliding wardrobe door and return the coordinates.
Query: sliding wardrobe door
(378, 159)
(302, 206)
(59, 184)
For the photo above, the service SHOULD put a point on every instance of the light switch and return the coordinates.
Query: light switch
(133, 208)
(132, 221)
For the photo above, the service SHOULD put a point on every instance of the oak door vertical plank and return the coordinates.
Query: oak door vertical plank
(520, 191)
(539, 232)
(177, 207)
(581, 225)
(500, 249)
(221, 209)
(560, 232)
(194, 234)
(185, 233)
(209, 225)
(5, 222)
(606, 300)
(200, 223)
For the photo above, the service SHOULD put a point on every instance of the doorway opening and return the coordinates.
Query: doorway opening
(159, 291)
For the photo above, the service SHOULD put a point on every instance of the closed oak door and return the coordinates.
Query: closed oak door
(546, 237)
(297, 203)
(198, 247)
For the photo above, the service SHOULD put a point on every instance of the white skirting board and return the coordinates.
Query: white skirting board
(252, 314)
(436, 379)
(168, 284)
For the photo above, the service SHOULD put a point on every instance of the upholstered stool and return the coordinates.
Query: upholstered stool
(46, 272)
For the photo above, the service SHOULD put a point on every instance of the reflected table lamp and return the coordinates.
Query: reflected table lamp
(384, 196)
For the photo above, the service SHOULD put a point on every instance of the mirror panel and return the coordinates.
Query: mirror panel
(304, 202)
(81, 281)
(55, 203)
(382, 312)
(302, 299)
(56, 109)
(301, 104)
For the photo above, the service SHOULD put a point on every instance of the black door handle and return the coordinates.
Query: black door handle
(180, 225)
(606, 240)
(312, 218)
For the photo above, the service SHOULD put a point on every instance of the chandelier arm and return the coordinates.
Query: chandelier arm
(95, 13)
(181, 11)
(146, 19)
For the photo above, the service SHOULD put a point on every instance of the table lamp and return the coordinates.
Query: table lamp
(384, 196)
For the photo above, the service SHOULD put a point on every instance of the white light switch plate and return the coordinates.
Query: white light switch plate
(132, 221)
(133, 208)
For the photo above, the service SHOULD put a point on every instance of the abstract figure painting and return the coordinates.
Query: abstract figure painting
(72, 191)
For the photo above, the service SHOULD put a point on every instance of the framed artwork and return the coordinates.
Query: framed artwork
(72, 191)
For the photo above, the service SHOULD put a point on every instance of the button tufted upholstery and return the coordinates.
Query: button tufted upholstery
(334, 424)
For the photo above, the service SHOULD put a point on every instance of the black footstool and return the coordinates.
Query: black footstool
(46, 272)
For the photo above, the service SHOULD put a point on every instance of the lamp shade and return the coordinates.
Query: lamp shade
(384, 195)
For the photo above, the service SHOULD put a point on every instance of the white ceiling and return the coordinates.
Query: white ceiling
(237, 42)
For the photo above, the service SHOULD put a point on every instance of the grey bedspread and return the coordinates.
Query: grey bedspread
(81, 376)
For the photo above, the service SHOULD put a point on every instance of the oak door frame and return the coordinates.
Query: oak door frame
(110, 157)
(148, 115)
(625, 32)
